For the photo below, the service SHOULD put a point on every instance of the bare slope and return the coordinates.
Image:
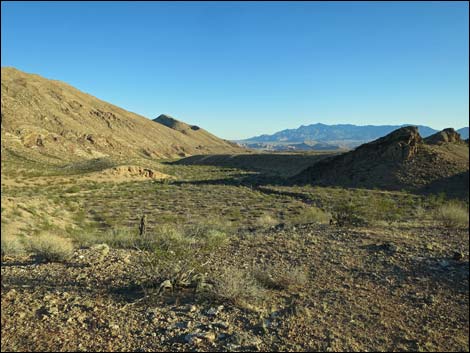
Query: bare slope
(196, 133)
(50, 120)
(400, 160)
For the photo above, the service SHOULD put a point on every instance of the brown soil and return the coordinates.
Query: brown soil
(368, 289)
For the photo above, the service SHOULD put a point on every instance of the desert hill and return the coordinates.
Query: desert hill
(51, 121)
(399, 160)
(194, 131)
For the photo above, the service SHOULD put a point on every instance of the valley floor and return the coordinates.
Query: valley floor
(280, 276)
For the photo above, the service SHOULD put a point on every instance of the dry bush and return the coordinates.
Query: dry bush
(118, 238)
(311, 215)
(452, 215)
(281, 276)
(238, 287)
(11, 245)
(51, 247)
(266, 221)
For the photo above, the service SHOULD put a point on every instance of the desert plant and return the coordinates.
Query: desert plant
(348, 213)
(452, 215)
(266, 221)
(176, 253)
(311, 214)
(119, 238)
(237, 286)
(50, 247)
(11, 245)
(281, 276)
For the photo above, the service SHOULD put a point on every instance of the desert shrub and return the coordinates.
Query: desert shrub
(435, 201)
(177, 253)
(11, 245)
(266, 221)
(384, 208)
(348, 213)
(238, 287)
(452, 215)
(311, 215)
(281, 276)
(50, 247)
(119, 238)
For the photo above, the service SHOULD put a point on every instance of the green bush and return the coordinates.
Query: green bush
(177, 253)
(348, 213)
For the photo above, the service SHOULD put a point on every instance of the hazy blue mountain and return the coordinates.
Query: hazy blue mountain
(463, 132)
(344, 135)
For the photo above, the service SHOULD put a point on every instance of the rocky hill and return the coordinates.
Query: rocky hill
(196, 133)
(52, 121)
(400, 160)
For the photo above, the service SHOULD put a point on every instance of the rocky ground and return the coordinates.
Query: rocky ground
(389, 289)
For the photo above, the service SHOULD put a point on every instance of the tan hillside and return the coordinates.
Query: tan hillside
(400, 160)
(52, 121)
(195, 132)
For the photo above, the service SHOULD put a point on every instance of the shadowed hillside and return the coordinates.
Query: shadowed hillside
(273, 164)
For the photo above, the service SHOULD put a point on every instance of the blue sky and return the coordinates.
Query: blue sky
(248, 68)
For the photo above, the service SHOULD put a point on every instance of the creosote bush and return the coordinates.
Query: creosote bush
(452, 215)
(348, 213)
(50, 247)
(177, 253)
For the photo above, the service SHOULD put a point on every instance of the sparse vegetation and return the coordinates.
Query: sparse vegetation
(267, 279)
(177, 253)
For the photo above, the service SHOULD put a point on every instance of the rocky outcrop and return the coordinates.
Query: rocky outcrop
(444, 136)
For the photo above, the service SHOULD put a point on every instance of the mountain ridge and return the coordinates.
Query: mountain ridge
(324, 132)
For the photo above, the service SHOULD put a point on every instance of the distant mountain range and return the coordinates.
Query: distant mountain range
(329, 137)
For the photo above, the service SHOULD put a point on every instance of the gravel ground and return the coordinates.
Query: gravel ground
(395, 289)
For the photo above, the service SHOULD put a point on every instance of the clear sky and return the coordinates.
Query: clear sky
(248, 68)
